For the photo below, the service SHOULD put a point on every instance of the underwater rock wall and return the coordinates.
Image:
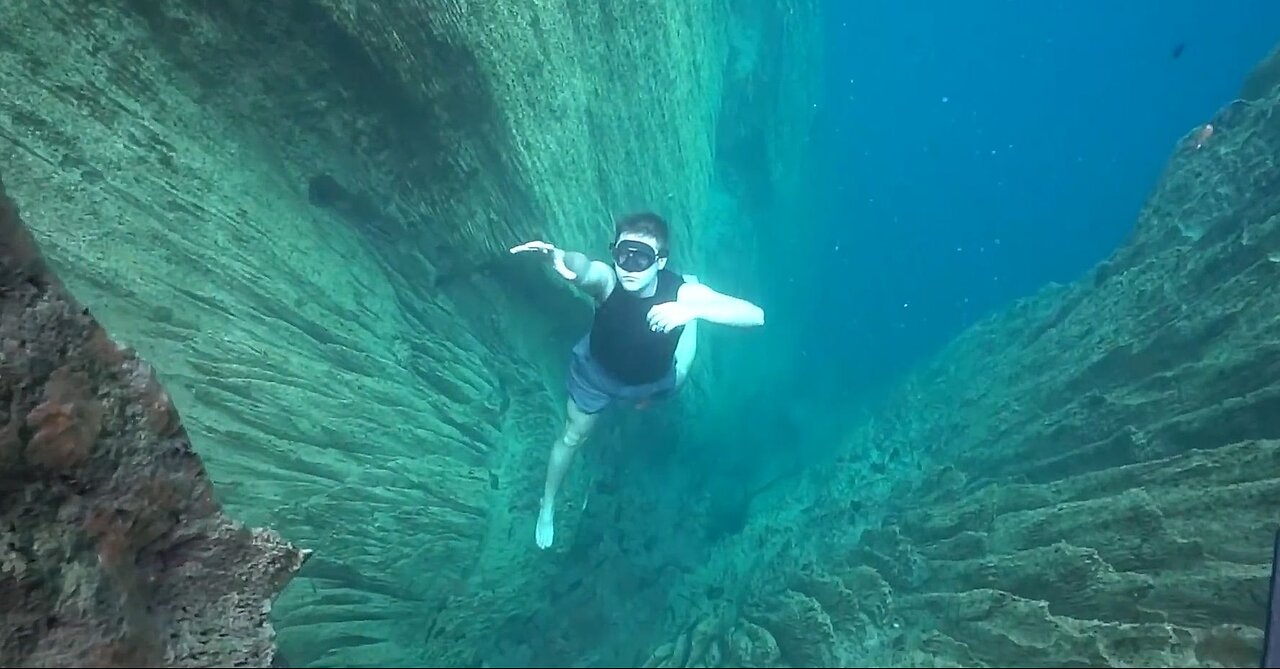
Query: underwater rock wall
(300, 211)
(113, 550)
(1090, 478)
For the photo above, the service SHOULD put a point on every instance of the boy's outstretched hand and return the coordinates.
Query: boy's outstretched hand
(557, 256)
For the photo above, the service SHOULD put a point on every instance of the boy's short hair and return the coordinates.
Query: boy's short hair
(645, 223)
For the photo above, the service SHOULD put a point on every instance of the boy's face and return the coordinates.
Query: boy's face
(636, 261)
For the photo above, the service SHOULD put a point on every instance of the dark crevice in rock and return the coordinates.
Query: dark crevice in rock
(357, 208)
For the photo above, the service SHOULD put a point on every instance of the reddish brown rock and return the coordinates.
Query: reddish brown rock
(113, 550)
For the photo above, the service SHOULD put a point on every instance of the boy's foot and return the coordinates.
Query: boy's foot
(546, 530)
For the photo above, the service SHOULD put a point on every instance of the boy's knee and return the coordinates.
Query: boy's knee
(574, 438)
(575, 434)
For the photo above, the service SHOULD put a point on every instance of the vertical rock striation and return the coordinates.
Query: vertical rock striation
(1090, 478)
(113, 551)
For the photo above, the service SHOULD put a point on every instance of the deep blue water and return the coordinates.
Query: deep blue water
(978, 150)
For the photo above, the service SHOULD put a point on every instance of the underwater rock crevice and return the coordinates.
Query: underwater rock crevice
(376, 377)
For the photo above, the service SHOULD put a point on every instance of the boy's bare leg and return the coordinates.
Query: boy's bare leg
(577, 428)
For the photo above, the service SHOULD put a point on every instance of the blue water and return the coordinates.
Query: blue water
(978, 150)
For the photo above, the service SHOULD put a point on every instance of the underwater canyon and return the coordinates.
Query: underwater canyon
(299, 215)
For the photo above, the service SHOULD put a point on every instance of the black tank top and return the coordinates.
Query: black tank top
(621, 340)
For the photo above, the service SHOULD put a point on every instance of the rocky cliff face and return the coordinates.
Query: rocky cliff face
(1088, 479)
(301, 212)
(113, 550)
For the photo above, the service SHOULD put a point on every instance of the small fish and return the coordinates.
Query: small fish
(1177, 49)
(1203, 134)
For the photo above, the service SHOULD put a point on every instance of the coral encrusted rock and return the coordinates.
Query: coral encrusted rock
(113, 549)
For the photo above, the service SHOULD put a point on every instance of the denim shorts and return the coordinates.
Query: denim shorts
(593, 389)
